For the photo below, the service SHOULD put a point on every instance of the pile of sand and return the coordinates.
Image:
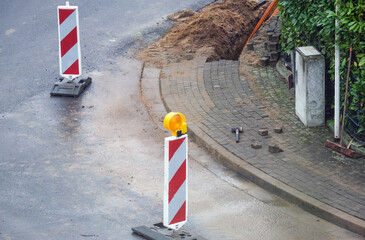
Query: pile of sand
(219, 31)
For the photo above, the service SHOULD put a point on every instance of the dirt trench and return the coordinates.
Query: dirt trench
(218, 31)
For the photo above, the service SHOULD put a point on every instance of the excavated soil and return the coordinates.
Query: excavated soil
(218, 31)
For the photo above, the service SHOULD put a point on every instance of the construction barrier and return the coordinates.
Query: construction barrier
(176, 182)
(69, 41)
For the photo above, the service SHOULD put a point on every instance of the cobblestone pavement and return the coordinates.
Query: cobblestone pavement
(215, 99)
(317, 171)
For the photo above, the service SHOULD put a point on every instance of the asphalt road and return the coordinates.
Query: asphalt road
(29, 39)
(92, 167)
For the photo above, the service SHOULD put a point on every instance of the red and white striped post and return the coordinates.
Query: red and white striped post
(69, 41)
(69, 53)
(176, 182)
(175, 203)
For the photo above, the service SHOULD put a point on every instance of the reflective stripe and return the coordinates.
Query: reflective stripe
(68, 25)
(69, 45)
(177, 159)
(68, 42)
(69, 58)
(177, 202)
(177, 181)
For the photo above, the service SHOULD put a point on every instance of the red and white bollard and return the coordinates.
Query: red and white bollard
(69, 41)
(175, 210)
(69, 53)
(176, 182)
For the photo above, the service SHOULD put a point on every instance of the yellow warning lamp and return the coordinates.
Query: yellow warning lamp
(176, 123)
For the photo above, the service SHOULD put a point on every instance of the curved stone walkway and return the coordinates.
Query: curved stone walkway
(214, 99)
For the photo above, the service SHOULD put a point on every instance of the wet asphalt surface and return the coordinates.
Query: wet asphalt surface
(29, 40)
(50, 168)
(91, 167)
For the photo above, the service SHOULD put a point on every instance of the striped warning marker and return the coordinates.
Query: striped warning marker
(176, 182)
(69, 43)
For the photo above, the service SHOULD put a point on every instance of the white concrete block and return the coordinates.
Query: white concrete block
(310, 86)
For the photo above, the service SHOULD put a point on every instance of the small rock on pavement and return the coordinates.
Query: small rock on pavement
(273, 148)
(256, 145)
(263, 132)
(278, 129)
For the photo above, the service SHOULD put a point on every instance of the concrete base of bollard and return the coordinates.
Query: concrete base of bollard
(160, 232)
(67, 88)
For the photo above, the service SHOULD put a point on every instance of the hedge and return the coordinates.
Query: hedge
(312, 22)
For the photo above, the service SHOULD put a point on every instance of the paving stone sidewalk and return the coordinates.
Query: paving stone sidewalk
(214, 98)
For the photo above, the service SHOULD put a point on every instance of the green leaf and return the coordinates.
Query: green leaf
(331, 13)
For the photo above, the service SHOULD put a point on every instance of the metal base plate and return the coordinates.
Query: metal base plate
(67, 88)
(160, 232)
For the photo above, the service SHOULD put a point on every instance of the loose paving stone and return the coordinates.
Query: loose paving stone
(278, 129)
(265, 61)
(273, 148)
(273, 46)
(256, 145)
(263, 132)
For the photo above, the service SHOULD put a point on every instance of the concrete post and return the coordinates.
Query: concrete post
(310, 86)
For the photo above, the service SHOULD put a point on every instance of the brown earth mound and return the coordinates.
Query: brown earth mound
(219, 31)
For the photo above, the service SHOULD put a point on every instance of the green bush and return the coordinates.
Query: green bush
(312, 22)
